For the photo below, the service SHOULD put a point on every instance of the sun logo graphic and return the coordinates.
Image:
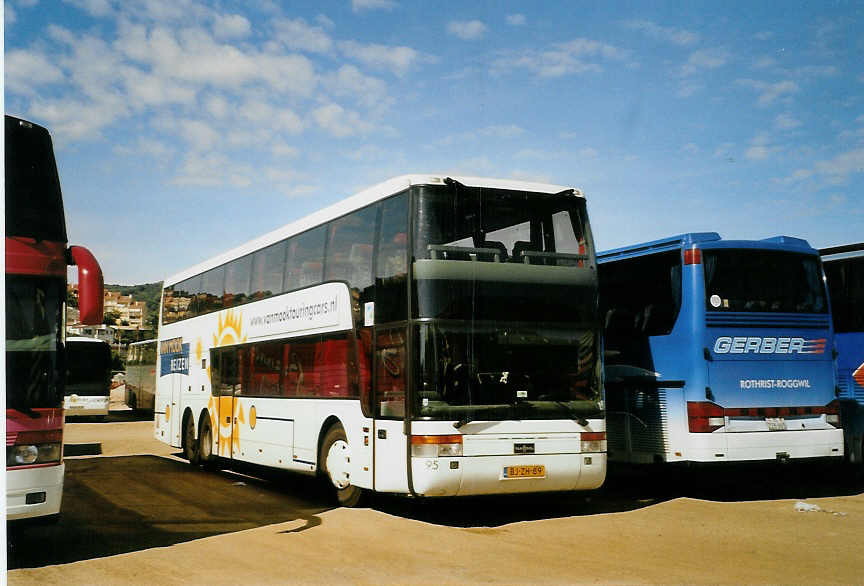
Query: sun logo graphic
(226, 412)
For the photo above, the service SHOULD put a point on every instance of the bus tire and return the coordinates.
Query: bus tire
(334, 461)
(205, 446)
(191, 448)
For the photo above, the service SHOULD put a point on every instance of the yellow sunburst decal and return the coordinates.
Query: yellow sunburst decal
(226, 410)
(229, 331)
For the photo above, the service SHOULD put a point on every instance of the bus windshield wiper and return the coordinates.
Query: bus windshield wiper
(574, 415)
(463, 420)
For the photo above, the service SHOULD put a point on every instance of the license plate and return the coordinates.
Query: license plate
(536, 471)
(76, 406)
(775, 424)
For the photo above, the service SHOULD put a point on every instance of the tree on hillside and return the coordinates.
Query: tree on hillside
(110, 318)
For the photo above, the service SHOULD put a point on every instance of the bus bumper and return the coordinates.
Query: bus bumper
(767, 445)
(479, 475)
(42, 487)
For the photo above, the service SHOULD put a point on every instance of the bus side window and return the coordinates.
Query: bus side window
(331, 365)
(212, 290)
(349, 248)
(391, 279)
(267, 267)
(266, 365)
(237, 275)
(390, 362)
(305, 262)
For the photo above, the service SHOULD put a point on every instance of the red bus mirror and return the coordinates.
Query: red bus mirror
(91, 297)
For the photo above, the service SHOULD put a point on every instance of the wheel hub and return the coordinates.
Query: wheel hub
(338, 459)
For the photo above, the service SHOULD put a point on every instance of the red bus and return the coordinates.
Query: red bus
(37, 256)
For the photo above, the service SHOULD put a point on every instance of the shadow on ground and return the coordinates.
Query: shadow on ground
(124, 504)
(631, 488)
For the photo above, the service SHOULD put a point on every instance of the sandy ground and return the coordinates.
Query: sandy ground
(678, 541)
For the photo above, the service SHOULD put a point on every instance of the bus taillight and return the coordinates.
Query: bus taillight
(832, 413)
(704, 417)
(436, 446)
(593, 441)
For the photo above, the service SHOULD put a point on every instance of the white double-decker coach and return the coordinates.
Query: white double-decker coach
(431, 336)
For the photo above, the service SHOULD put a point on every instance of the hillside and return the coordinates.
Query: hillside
(150, 293)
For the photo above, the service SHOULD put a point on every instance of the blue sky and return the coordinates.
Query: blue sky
(184, 128)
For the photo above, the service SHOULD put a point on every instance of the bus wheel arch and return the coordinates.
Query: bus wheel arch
(191, 448)
(334, 456)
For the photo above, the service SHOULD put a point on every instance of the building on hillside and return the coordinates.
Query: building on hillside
(131, 313)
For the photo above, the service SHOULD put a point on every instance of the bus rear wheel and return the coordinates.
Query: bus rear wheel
(334, 461)
(205, 446)
(191, 449)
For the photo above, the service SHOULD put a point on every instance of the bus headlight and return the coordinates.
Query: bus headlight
(23, 455)
(35, 447)
(436, 446)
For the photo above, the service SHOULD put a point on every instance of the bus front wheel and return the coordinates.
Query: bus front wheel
(334, 461)
(191, 449)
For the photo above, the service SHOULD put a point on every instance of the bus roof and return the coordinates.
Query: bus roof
(712, 239)
(358, 200)
(842, 251)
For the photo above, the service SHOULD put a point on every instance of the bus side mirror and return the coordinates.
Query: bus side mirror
(91, 297)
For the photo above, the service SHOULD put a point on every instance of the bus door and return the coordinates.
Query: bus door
(227, 385)
(391, 360)
(175, 382)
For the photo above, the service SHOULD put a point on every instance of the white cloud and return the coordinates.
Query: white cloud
(360, 5)
(501, 131)
(398, 60)
(573, 57)
(467, 30)
(324, 21)
(705, 59)
(283, 149)
(838, 169)
(26, 71)
(297, 34)
(217, 106)
(764, 36)
(231, 26)
(213, 170)
(96, 8)
(689, 88)
(340, 122)
(769, 92)
(724, 150)
(761, 148)
(72, 119)
(199, 134)
(786, 122)
(691, 148)
(672, 35)
(516, 19)
(764, 62)
(348, 81)
(144, 89)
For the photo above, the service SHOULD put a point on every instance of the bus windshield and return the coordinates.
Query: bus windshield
(506, 371)
(33, 310)
(88, 367)
(763, 281)
(522, 256)
(34, 206)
